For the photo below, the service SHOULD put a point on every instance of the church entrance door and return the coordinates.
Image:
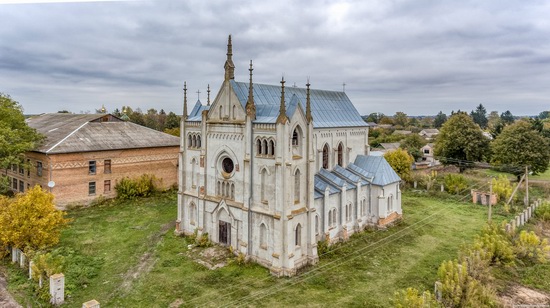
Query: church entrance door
(224, 233)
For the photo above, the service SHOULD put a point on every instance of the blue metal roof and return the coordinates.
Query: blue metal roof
(328, 108)
(348, 175)
(196, 114)
(320, 186)
(379, 167)
(334, 179)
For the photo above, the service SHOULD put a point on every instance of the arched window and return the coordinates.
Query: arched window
(297, 186)
(316, 224)
(189, 141)
(295, 137)
(390, 203)
(264, 146)
(334, 221)
(341, 155)
(264, 185)
(194, 143)
(298, 235)
(198, 141)
(259, 146)
(193, 170)
(364, 207)
(234, 109)
(221, 112)
(325, 156)
(219, 188)
(263, 236)
(232, 191)
(272, 148)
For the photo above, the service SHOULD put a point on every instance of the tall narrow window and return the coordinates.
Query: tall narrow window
(234, 110)
(316, 224)
(193, 170)
(91, 167)
(295, 137)
(297, 186)
(232, 191)
(39, 168)
(298, 235)
(272, 148)
(340, 155)
(221, 112)
(106, 186)
(264, 185)
(259, 146)
(107, 166)
(21, 169)
(263, 236)
(192, 213)
(21, 186)
(14, 183)
(91, 188)
(264, 146)
(198, 141)
(334, 217)
(194, 142)
(325, 156)
(28, 167)
(189, 141)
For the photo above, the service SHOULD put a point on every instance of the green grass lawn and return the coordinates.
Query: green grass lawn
(105, 245)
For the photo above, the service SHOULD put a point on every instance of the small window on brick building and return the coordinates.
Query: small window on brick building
(28, 167)
(107, 186)
(91, 188)
(28, 186)
(39, 168)
(14, 184)
(21, 169)
(107, 166)
(21, 186)
(91, 167)
(14, 167)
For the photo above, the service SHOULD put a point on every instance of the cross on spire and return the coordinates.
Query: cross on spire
(344, 87)
(199, 95)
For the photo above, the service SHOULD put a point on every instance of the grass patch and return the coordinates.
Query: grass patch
(105, 244)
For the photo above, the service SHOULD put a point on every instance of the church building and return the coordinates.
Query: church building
(271, 170)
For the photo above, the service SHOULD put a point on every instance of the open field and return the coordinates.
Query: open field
(127, 255)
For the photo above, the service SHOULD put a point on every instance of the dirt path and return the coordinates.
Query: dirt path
(6, 300)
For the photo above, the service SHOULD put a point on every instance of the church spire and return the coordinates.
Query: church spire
(229, 66)
(184, 100)
(309, 118)
(282, 118)
(250, 107)
(208, 96)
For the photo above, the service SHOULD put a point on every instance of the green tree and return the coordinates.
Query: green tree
(172, 120)
(412, 143)
(401, 162)
(480, 116)
(518, 146)
(507, 117)
(440, 119)
(544, 115)
(460, 142)
(16, 137)
(374, 117)
(30, 222)
(400, 118)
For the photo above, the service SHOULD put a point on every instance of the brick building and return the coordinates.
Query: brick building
(86, 154)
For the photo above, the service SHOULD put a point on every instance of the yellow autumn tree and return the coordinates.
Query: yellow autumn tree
(401, 162)
(30, 221)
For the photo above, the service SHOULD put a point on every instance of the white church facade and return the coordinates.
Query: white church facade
(271, 170)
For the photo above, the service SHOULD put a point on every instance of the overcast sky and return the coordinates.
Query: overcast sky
(415, 56)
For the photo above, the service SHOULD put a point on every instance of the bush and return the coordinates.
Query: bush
(502, 187)
(543, 212)
(455, 183)
(128, 189)
(530, 247)
(494, 246)
(411, 297)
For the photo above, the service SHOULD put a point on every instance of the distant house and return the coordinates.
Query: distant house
(390, 146)
(372, 124)
(402, 132)
(429, 133)
(428, 159)
(84, 156)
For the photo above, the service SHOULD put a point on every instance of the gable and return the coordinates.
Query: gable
(226, 106)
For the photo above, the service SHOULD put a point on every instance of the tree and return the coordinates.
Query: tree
(374, 117)
(461, 142)
(30, 221)
(519, 145)
(401, 162)
(440, 119)
(16, 137)
(412, 143)
(544, 115)
(480, 116)
(507, 117)
(172, 121)
(493, 119)
(400, 118)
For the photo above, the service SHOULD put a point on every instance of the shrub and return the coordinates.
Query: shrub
(530, 247)
(543, 212)
(144, 186)
(411, 297)
(502, 187)
(455, 183)
(494, 245)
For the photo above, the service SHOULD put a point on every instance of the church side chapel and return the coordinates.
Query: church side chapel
(271, 170)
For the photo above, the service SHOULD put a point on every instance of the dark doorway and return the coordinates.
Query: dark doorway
(224, 234)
